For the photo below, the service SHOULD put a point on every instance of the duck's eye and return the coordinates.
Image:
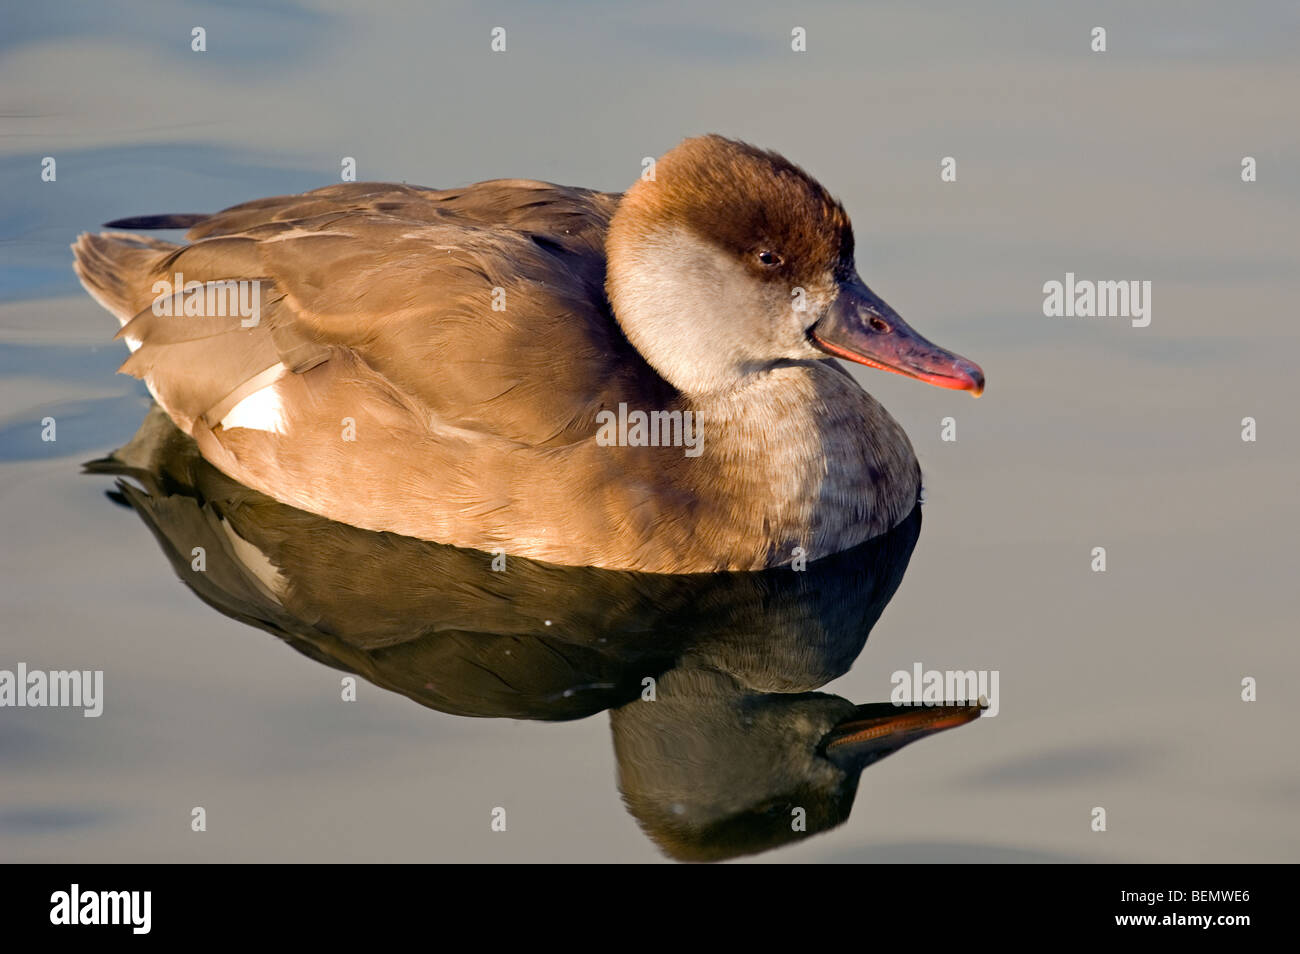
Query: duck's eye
(769, 259)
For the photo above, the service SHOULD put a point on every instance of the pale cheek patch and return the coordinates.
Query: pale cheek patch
(260, 411)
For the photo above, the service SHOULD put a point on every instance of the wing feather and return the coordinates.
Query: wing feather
(483, 307)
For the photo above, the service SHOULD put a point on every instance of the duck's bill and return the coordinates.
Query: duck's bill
(860, 327)
(877, 729)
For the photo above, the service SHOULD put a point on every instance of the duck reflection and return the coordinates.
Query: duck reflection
(723, 748)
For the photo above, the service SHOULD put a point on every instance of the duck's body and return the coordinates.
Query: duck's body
(381, 387)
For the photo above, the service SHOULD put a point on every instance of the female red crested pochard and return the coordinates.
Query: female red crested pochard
(636, 382)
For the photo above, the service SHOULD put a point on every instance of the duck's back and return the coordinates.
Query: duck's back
(461, 298)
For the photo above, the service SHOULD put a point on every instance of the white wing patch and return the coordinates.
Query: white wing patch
(260, 411)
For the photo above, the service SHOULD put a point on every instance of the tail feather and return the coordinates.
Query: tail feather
(176, 220)
(116, 269)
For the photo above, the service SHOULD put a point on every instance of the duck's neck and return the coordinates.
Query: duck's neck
(803, 452)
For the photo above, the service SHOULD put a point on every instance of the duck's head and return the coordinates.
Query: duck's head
(713, 769)
(731, 260)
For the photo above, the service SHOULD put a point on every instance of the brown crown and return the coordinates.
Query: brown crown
(745, 200)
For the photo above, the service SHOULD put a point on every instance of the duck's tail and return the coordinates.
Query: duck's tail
(114, 267)
(179, 220)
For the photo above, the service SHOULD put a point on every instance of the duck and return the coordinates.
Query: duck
(477, 366)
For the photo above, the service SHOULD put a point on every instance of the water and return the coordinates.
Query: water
(1119, 689)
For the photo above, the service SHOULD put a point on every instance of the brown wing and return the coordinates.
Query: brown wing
(482, 307)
